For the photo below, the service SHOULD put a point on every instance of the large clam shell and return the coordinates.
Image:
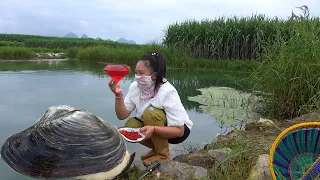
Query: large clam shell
(67, 142)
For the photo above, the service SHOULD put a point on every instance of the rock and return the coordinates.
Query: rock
(261, 170)
(219, 154)
(197, 158)
(181, 171)
(310, 117)
(49, 55)
(58, 54)
(204, 159)
(250, 126)
(265, 123)
(225, 139)
(260, 125)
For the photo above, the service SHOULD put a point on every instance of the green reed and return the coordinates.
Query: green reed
(228, 38)
(239, 162)
(175, 59)
(289, 76)
(12, 53)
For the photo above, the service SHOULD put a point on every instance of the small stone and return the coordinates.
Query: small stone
(219, 154)
(196, 158)
(225, 139)
(250, 126)
(182, 171)
(265, 123)
(261, 170)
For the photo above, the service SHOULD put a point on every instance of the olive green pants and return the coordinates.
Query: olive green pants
(152, 116)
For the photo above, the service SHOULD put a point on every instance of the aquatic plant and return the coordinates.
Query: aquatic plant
(227, 105)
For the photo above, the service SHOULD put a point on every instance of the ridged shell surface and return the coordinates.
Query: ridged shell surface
(64, 142)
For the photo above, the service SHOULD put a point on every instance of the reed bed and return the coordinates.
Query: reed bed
(241, 38)
(12, 53)
(289, 75)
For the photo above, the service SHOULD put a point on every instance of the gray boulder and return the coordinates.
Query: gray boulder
(181, 171)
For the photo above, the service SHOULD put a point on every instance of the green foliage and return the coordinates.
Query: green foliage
(289, 76)
(12, 53)
(47, 50)
(239, 161)
(33, 41)
(229, 38)
(11, 44)
(110, 55)
(173, 59)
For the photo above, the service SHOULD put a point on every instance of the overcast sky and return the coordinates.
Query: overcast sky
(141, 21)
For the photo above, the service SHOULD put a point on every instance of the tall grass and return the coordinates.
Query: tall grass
(228, 38)
(47, 50)
(12, 44)
(110, 55)
(239, 163)
(12, 53)
(290, 73)
(173, 59)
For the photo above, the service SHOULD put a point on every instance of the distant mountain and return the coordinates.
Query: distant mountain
(122, 40)
(71, 35)
(84, 36)
(132, 42)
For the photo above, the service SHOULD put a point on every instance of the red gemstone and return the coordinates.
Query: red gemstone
(116, 71)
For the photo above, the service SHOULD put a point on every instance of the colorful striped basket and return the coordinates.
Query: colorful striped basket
(295, 154)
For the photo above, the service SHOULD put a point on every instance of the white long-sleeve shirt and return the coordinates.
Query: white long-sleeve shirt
(167, 99)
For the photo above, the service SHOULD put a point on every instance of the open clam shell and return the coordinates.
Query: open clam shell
(67, 143)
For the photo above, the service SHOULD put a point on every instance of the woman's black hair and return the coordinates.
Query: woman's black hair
(157, 63)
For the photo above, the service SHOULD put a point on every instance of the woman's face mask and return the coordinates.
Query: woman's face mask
(146, 85)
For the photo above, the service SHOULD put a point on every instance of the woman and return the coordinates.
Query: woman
(159, 111)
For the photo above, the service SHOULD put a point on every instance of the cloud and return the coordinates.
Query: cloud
(83, 23)
(141, 21)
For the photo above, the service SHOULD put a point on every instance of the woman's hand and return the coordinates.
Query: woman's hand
(148, 131)
(115, 88)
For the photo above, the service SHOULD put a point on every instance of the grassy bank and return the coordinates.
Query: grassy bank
(173, 60)
(33, 41)
(244, 152)
(15, 53)
(24, 53)
(48, 50)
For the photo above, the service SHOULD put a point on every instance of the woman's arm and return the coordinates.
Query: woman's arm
(120, 108)
(169, 131)
(163, 131)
